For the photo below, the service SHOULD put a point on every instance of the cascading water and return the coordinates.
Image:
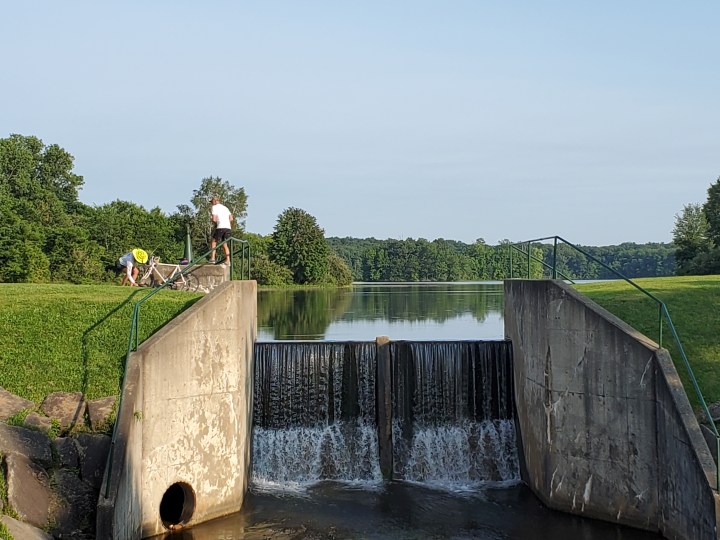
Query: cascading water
(453, 413)
(314, 413)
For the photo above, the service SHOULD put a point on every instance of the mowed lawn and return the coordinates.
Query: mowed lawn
(74, 337)
(694, 307)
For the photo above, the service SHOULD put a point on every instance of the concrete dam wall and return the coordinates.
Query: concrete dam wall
(605, 425)
(182, 445)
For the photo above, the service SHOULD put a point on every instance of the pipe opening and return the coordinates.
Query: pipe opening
(177, 505)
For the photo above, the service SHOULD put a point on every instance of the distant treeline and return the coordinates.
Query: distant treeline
(375, 260)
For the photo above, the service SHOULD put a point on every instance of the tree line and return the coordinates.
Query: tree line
(48, 235)
(375, 260)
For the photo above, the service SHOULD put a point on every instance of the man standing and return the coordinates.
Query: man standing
(222, 218)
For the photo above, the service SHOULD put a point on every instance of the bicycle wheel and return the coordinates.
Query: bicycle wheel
(192, 283)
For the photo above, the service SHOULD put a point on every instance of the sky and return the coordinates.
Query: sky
(594, 121)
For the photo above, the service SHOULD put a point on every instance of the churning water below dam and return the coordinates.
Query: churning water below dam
(455, 468)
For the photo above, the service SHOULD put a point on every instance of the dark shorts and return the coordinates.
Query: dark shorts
(221, 234)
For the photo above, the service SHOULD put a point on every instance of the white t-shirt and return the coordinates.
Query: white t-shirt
(221, 216)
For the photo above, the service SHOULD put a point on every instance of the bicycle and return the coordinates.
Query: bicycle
(157, 278)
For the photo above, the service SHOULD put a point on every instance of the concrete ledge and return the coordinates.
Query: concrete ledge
(201, 278)
(606, 428)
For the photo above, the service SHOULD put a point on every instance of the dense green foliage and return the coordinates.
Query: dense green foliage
(694, 306)
(73, 338)
(48, 235)
(298, 243)
(697, 236)
(445, 260)
(629, 259)
(198, 217)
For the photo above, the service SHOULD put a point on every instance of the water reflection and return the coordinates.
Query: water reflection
(411, 311)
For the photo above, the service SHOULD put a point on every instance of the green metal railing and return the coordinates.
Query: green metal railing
(239, 249)
(525, 248)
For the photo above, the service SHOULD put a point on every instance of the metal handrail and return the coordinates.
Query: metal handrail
(133, 337)
(532, 257)
(663, 313)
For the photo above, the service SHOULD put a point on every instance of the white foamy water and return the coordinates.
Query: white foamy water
(461, 454)
(301, 456)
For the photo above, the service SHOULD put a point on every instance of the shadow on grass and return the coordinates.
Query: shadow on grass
(85, 349)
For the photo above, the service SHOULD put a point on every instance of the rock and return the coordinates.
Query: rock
(67, 407)
(10, 405)
(75, 510)
(99, 411)
(20, 530)
(714, 409)
(93, 449)
(27, 442)
(68, 452)
(38, 422)
(28, 490)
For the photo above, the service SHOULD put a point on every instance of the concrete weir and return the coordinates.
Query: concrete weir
(606, 428)
(182, 446)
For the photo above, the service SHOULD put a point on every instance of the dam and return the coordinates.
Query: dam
(388, 435)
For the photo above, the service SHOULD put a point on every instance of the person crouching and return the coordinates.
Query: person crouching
(128, 263)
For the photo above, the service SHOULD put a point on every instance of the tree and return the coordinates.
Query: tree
(120, 226)
(299, 244)
(690, 236)
(711, 209)
(267, 272)
(41, 232)
(199, 215)
(339, 272)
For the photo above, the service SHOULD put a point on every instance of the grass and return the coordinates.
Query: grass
(74, 338)
(693, 304)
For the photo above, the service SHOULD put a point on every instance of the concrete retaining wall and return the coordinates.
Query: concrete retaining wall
(606, 428)
(201, 278)
(186, 416)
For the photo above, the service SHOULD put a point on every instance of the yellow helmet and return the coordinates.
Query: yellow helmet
(140, 255)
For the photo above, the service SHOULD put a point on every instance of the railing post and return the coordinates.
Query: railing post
(528, 248)
(660, 321)
(554, 265)
(232, 257)
(511, 263)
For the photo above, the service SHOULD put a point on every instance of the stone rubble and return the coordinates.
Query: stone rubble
(53, 463)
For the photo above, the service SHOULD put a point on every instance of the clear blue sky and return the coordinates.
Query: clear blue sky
(449, 119)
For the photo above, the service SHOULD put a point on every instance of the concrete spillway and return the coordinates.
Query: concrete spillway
(452, 413)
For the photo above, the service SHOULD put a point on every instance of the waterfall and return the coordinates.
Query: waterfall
(314, 413)
(453, 413)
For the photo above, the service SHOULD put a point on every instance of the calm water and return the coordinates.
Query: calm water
(426, 311)
(393, 510)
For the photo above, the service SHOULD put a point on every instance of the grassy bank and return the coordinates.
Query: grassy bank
(694, 306)
(74, 337)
